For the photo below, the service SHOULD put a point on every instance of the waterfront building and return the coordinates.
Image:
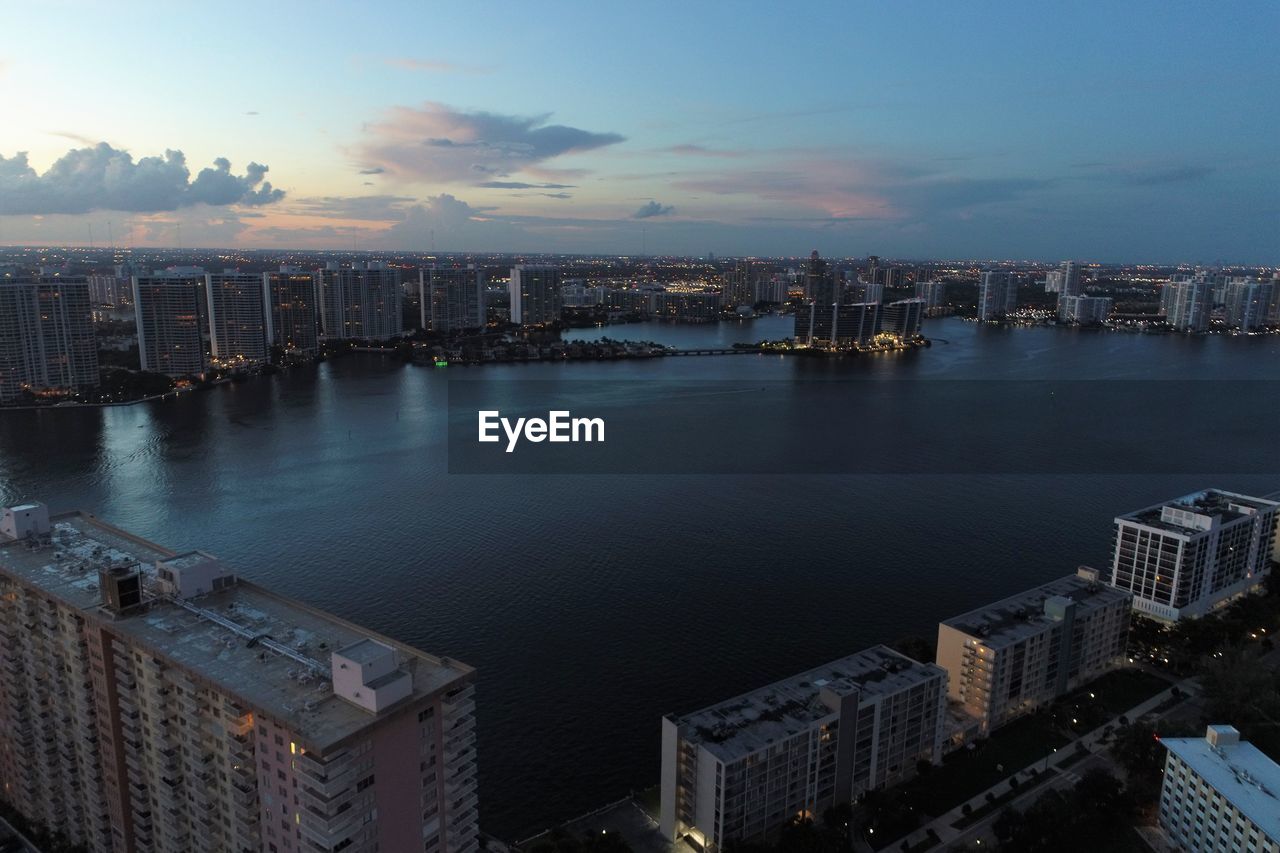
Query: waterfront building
(1184, 557)
(109, 290)
(997, 296)
(170, 308)
(1085, 310)
(820, 282)
(686, 307)
(902, 320)
(360, 302)
(453, 299)
(1248, 303)
(1018, 654)
(1068, 284)
(740, 769)
(294, 315)
(238, 317)
(934, 294)
(627, 301)
(535, 294)
(183, 708)
(1220, 793)
(739, 286)
(847, 326)
(1188, 303)
(47, 345)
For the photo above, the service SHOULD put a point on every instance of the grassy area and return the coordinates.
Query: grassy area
(967, 773)
(1103, 699)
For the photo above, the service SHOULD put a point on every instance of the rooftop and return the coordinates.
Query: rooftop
(1214, 504)
(1017, 617)
(268, 651)
(1241, 773)
(754, 720)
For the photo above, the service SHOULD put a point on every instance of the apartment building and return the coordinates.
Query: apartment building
(293, 312)
(47, 344)
(1184, 557)
(740, 769)
(361, 302)
(155, 701)
(1220, 794)
(453, 299)
(171, 308)
(1019, 653)
(534, 292)
(1086, 310)
(239, 318)
(997, 295)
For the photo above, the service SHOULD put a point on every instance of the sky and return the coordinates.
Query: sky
(1100, 131)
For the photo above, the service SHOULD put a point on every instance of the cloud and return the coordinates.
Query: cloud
(100, 177)
(438, 65)
(441, 144)
(251, 112)
(372, 170)
(520, 185)
(556, 195)
(702, 151)
(653, 208)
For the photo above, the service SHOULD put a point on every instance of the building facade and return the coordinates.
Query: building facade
(1184, 557)
(1085, 310)
(453, 299)
(1188, 303)
(1248, 303)
(739, 770)
(170, 311)
(997, 296)
(47, 344)
(1220, 794)
(183, 708)
(294, 319)
(685, 307)
(360, 302)
(1015, 655)
(535, 294)
(239, 325)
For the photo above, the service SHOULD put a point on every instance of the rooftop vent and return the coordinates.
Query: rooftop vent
(365, 673)
(25, 521)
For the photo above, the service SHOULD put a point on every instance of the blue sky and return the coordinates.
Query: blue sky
(1102, 131)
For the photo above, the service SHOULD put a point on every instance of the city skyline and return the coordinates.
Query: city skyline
(921, 132)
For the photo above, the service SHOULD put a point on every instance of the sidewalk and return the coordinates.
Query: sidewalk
(943, 824)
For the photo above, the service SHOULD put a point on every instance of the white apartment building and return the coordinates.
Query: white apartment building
(740, 769)
(1248, 303)
(1019, 653)
(535, 294)
(239, 317)
(47, 344)
(1085, 310)
(293, 315)
(1184, 557)
(997, 296)
(1188, 303)
(153, 702)
(1220, 794)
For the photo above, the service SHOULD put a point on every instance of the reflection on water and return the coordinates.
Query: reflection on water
(593, 605)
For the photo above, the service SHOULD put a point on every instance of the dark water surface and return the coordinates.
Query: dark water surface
(591, 605)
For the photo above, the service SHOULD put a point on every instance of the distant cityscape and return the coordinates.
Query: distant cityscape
(102, 327)
(183, 707)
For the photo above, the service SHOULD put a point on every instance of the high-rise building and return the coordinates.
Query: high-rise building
(183, 708)
(110, 290)
(170, 309)
(1020, 653)
(902, 320)
(820, 282)
(1085, 310)
(294, 317)
(47, 345)
(453, 298)
(1070, 285)
(864, 291)
(1184, 557)
(847, 326)
(360, 302)
(1220, 793)
(238, 317)
(739, 290)
(1188, 303)
(739, 770)
(1248, 303)
(934, 294)
(535, 294)
(997, 296)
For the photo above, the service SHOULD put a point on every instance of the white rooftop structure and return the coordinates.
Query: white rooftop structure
(1238, 771)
